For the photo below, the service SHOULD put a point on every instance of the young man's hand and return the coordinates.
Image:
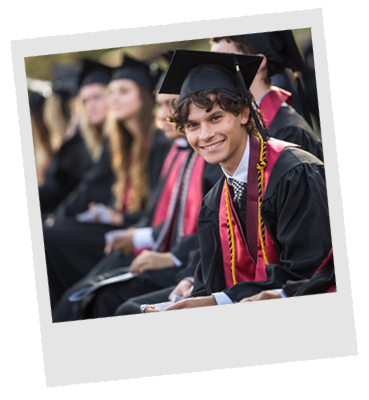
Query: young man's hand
(150, 309)
(183, 289)
(265, 295)
(151, 260)
(192, 303)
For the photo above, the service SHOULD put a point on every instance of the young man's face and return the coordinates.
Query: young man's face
(218, 136)
(164, 101)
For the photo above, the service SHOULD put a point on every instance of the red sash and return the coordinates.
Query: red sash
(168, 160)
(271, 103)
(188, 200)
(249, 260)
(190, 203)
(193, 198)
(170, 168)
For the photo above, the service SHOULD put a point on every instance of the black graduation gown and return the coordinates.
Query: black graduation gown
(322, 281)
(106, 300)
(73, 248)
(288, 125)
(95, 186)
(295, 213)
(64, 173)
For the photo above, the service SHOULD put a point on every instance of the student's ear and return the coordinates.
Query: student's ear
(245, 113)
(263, 63)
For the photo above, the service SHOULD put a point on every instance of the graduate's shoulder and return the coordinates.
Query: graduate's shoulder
(290, 159)
(289, 117)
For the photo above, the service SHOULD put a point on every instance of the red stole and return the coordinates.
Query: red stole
(185, 206)
(271, 103)
(189, 204)
(193, 198)
(249, 260)
(170, 169)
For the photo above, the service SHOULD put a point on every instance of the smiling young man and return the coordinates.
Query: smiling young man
(266, 221)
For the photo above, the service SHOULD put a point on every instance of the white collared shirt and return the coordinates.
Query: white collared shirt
(242, 170)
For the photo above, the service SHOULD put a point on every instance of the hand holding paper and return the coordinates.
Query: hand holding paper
(100, 213)
(161, 306)
(121, 240)
(183, 289)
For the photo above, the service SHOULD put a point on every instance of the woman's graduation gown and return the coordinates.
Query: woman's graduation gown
(64, 173)
(73, 248)
(295, 212)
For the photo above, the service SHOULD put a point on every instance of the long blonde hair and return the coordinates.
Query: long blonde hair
(56, 117)
(130, 155)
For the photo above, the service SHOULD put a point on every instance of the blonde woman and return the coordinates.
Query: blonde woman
(73, 249)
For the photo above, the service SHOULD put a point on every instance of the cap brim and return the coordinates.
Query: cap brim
(183, 61)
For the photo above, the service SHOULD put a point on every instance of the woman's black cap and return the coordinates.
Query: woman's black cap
(143, 74)
(192, 71)
(279, 48)
(65, 80)
(94, 72)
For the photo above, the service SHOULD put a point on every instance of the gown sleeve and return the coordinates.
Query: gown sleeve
(296, 217)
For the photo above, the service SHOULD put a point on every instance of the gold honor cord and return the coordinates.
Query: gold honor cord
(230, 235)
(260, 167)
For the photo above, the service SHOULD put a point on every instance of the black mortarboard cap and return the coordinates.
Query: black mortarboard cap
(94, 72)
(279, 48)
(139, 72)
(191, 71)
(168, 55)
(65, 79)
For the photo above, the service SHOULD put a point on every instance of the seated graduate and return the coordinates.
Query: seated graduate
(94, 125)
(72, 247)
(266, 221)
(279, 51)
(161, 241)
(71, 158)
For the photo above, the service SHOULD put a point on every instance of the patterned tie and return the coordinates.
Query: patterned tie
(238, 188)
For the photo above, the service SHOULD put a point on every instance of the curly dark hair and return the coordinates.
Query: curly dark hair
(207, 99)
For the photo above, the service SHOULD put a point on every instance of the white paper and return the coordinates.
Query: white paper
(163, 306)
(86, 291)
